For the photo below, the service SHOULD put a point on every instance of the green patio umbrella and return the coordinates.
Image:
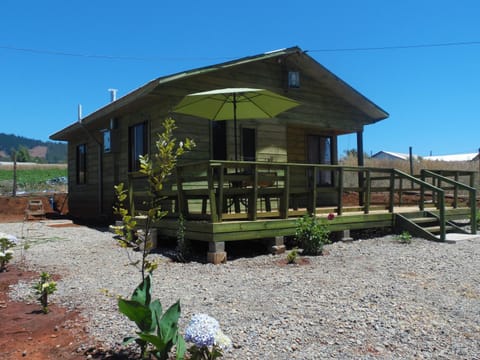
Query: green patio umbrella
(235, 104)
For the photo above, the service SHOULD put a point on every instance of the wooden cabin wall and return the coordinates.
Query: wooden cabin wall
(270, 139)
(281, 139)
(82, 198)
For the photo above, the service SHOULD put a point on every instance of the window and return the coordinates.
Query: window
(137, 145)
(293, 79)
(320, 152)
(107, 141)
(82, 164)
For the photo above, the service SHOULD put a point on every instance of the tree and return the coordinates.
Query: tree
(22, 154)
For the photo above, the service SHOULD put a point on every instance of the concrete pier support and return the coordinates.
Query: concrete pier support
(276, 245)
(216, 253)
(344, 235)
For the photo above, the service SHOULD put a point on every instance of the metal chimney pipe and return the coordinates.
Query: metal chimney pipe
(113, 94)
(79, 112)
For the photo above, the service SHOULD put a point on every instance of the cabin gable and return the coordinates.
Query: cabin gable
(328, 107)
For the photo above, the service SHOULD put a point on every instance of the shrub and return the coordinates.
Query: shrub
(6, 254)
(43, 288)
(292, 256)
(312, 234)
(405, 237)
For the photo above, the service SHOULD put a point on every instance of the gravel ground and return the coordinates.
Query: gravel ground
(367, 299)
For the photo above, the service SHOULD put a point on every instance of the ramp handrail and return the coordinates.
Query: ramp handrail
(472, 194)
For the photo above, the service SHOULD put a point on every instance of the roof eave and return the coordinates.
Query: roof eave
(150, 86)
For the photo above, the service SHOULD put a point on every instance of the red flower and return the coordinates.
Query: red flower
(331, 216)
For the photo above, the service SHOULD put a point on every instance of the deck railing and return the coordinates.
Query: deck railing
(239, 190)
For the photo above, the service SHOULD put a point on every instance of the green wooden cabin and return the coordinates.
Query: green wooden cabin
(298, 148)
(103, 145)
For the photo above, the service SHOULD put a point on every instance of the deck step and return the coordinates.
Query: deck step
(423, 220)
(436, 229)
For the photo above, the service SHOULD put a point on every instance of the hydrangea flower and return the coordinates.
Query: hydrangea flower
(202, 330)
(10, 238)
(222, 340)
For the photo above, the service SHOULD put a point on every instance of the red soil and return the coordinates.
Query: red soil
(12, 209)
(27, 333)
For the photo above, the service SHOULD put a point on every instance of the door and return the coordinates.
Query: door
(249, 144)
(319, 151)
(219, 134)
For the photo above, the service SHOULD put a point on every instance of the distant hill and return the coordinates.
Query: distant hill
(39, 151)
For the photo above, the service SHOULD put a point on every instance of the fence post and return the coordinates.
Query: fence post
(14, 191)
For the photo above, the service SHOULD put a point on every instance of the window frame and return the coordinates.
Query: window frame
(81, 164)
(134, 150)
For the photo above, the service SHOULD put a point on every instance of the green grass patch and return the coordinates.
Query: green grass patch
(33, 176)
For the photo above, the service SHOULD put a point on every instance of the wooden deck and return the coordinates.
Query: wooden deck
(225, 201)
(268, 228)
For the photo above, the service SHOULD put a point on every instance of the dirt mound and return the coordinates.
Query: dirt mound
(12, 208)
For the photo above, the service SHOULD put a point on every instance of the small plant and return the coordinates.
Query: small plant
(405, 237)
(292, 256)
(312, 234)
(158, 332)
(6, 254)
(156, 168)
(183, 245)
(209, 342)
(44, 288)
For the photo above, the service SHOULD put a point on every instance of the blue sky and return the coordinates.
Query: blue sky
(55, 55)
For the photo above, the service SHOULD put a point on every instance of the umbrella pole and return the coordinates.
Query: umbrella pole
(235, 124)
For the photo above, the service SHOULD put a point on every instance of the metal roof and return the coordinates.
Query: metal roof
(318, 71)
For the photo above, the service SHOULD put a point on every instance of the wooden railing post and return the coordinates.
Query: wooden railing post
(441, 204)
(473, 211)
(400, 191)
(392, 191)
(253, 198)
(313, 202)
(285, 201)
(455, 191)
(211, 193)
(340, 191)
(422, 191)
(220, 197)
(366, 206)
